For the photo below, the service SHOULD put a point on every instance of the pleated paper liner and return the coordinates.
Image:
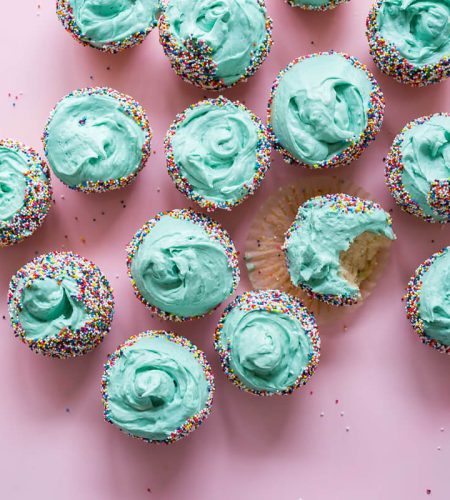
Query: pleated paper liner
(265, 258)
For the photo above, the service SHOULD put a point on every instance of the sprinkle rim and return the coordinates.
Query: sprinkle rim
(332, 4)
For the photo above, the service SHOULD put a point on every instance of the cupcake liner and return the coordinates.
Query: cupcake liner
(322, 8)
(440, 194)
(271, 300)
(412, 298)
(94, 292)
(38, 197)
(264, 255)
(375, 116)
(194, 62)
(193, 422)
(392, 63)
(133, 109)
(64, 11)
(182, 183)
(215, 232)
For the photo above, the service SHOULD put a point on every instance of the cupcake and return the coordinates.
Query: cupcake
(109, 25)
(333, 244)
(410, 39)
(418, 168)
(324, 110)
(157, 387)
(217, 153)
(25, 192)
(60, 304)
(268, 343)
(428, 301)
(215, 45)
(182, 265)
(97, 139)
(321, 5)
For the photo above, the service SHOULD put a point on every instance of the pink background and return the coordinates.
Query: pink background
(374, 422)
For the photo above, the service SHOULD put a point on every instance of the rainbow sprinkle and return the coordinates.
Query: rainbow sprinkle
(322, 8)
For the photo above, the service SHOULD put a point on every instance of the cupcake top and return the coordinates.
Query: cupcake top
(109, 24)
(325, 227)
(97, 139)
(268, 342)
(316, 4)
(419, 29)
(423, 148)
(182, 264)
(217, 152)
(158, 387)
(322, 106)
(428, 301)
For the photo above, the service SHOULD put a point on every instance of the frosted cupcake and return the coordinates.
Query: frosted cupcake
(97, 139)
(109, 25)
(182, 265)
(157, 387)
(215, 44)
(25, 192)
(321, 5)
(324, 110)
(268, 343)
(333, 244)
(428, 301)
(418, 168)
(410, 40)
(217, 153)
(60, 305)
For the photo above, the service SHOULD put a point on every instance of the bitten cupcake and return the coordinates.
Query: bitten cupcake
(410, 39)
(97, 139)
(321, 5)
(333, 244)
(182, 265)
(60, 305)
(215, 45)
(158, 387)
(268, 343)
(418, 168)
(217, 153)
(324, 110)
(25, 192)
(428, 301)
(109, 25)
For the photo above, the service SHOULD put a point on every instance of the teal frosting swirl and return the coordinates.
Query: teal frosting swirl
(434, 303)
(419, 29)
(91, 138)
(180, 269)
(310, 3)
(268, 350)
(49, 306)
(13, 166)
(154, 387)
(215, 149)
(425, 153)
(320, 107)
(233, 29)
(324, 228)
(105, 21)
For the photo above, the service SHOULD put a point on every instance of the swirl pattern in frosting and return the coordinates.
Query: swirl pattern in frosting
(319, 107)
(13, 167)
(419, 29)
(154, 386)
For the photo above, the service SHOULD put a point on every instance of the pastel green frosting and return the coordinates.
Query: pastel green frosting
(105, 21)
(434, 303)
(215, 148)
(310, 3)
(50, 305)
(13, 167)
(320, 107)
(323, 231)
(92, 138)
(268, 350)
(233, 29)
(154, 387)
(425, 150)
(180, 269)
(419, 29)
